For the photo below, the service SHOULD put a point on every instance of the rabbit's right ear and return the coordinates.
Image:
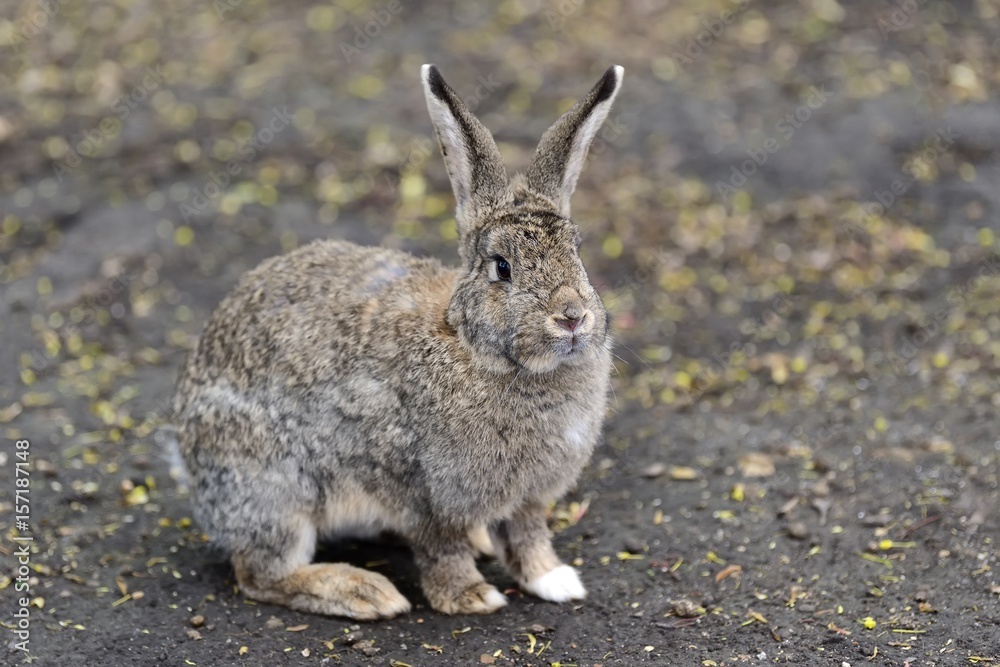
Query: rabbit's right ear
(472, 158)
(560, 155)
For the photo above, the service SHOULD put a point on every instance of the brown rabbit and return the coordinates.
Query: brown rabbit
(341, 390)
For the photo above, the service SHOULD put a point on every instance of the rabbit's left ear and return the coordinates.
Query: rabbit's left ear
(474, 164)
(558, 160)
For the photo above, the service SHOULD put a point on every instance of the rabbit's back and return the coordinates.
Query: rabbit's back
(308, 316)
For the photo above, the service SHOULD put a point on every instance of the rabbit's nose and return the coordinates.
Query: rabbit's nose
(569, 323)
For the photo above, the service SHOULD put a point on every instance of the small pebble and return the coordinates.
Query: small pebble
(798, 530)
(654, 470)
(685, 608)
(634, 545)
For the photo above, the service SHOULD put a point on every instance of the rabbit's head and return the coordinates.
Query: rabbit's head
(524, 301)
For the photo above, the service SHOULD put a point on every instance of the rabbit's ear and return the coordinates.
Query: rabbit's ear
(472, 158)
(560, 155)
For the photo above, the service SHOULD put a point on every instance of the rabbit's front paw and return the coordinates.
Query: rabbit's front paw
(561, 584)
(369, 595)
(335, 589)
(481, 598)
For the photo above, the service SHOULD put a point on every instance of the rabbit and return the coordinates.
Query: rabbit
(341, 390)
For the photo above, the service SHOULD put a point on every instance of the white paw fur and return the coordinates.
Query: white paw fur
(495, 599)
(561, 584)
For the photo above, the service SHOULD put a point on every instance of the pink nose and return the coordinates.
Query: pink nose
(570, 323)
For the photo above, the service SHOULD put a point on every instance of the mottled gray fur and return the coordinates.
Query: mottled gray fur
(341, 390)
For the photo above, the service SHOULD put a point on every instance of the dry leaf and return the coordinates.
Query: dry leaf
(727, 571)
(756, 464)
(683, 473)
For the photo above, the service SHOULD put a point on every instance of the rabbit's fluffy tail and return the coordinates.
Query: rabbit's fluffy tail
(166, 438)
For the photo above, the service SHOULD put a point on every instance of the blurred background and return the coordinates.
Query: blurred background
(791, 212)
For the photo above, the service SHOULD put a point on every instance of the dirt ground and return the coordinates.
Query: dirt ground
(792, 213)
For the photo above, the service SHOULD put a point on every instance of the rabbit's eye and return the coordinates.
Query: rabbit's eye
(503, 269)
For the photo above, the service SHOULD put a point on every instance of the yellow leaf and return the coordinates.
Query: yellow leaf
(683, 473)
(137, 496)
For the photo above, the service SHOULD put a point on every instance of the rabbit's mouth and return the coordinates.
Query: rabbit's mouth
(573, 347)
(573, 350)
(577, 345)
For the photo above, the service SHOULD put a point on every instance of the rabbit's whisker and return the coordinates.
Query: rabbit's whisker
(637, 355)
(512, 382)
